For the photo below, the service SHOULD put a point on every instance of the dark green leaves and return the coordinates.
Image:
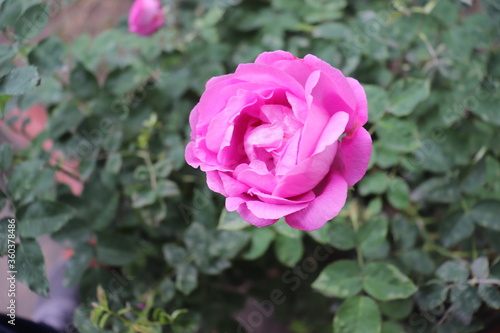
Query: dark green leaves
(385, 282)
(453, 271)
(43, 217)
(406, 94)
(6, 157)
(486, 213)
(32, 22)
(288, 250)
(358, 315)
(30, 267)
(48, 55)
(83, 83)
(341, 279)
(19, 80)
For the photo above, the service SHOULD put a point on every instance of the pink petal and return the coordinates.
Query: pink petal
(332, 132)
(326, 206)
(270, 211)
(269, 58)
(354, 155)
(248, 216)
(361, 101)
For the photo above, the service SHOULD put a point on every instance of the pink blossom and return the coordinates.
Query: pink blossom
(282, 137)
(146, 17)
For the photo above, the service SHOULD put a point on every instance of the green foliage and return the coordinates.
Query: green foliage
(415, 249)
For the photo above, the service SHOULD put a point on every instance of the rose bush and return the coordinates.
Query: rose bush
(282, 137)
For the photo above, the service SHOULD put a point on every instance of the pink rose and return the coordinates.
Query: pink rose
(282, 137)
(146, 17)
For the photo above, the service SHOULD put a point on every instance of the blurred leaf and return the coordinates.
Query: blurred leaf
(374, 183)
(116, 249)
(385, 282)
(392, 327)
(48, 55)
(83, 83)
(30, 267)
(43, 217)
(378, 101)
(486, 214)
(341, 235)
(442, 190)
(32, 22)
(397, 309)
(187, 278)
(284, 229)
(465, 301)
(261, 239)
(19, 80)
(398, 134)
(431, 295)
(231, 221)
(288, 250)
(480, 268)
(10, 10)
(453, 271)
(174, 254)
(418, 261)
(372, 234)
(77, 264)
(341, 279)
(398, 193)
(405, 94)
(6, 157)
(455, 228)
(490, 294)
(65, 117)
(357, 315)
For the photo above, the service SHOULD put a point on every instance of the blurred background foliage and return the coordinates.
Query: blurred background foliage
(415, 250)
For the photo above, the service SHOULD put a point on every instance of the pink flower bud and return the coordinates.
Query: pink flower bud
(146, 17)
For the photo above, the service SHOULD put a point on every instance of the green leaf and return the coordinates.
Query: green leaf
(174, 254)
(4, 99)
(77, 264)
(431, 296)
(10, 10)
(453, 271)
(475, 178)
(187, 278)
(166, 290)
(405, 94)
(398, 193)
(32, 22)
(443, 190)
(284, 229)
(397, 309)
(341, 279)
(7, 53)
(486, 214)
(116, 249)
(385, 282)
(43, 217)
(480, 268)
(341, 235)
(19, 80)
(288, 250)
(83, 83)
(371, 235)
(64, 118)
(455, 228)
(378, 101)
(404, 233)
(490, 294)
(167, 188)
(465, 301)
(231, 221)
(418, 261)
(358, 315)
(48, 55)
(261, 239)
(4, 234)
(6, 157)
(392, 327)
(227, 244)
(30, 267)
(399, 135)
(374, 183)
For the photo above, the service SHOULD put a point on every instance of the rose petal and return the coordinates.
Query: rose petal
(269, 58)
(248, 216)
(361, 101)
(271, 211)
(326, 206)
(353, 155)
